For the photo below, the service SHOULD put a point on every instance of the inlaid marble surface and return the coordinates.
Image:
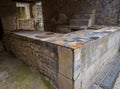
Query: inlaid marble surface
(72, 40)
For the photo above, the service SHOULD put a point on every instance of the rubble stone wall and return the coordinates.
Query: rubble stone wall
(39, 55)
(8, 15)
(106, 14)
(106, 11)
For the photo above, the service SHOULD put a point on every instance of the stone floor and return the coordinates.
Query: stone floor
(14, 74)
(117, 84)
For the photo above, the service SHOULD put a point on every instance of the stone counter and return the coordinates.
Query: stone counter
(70, 60)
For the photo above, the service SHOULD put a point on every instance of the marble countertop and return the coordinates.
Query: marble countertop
(72, 40)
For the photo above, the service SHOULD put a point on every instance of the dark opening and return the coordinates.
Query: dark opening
(1, 30)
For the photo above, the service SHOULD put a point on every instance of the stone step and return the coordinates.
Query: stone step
(79, 22)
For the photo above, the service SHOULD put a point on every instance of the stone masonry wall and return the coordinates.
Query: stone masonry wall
(59, 11)
(107, 12)
(39, 55)
(8, 15)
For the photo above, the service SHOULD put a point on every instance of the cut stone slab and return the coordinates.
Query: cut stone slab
(65, 83)
(65, 61)
(107, 77)
(111, 78)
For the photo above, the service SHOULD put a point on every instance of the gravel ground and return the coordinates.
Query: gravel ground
(117, 83)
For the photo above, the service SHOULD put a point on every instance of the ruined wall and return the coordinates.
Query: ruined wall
(35, 20)
(39, 55)
(59, 11)
(8, 15)
(107, 12)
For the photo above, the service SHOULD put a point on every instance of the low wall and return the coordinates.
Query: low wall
(68, 67)
(40, 55)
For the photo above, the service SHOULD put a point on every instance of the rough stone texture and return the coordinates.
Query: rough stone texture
(58, 12)
(26, 24)
(40, 55)
(33, 19)
(8, 15)
(14, 74)
(106, 11)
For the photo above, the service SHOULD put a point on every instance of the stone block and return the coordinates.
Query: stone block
(64, 82)
(77, 62)
(65, 61)
(78, 82)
